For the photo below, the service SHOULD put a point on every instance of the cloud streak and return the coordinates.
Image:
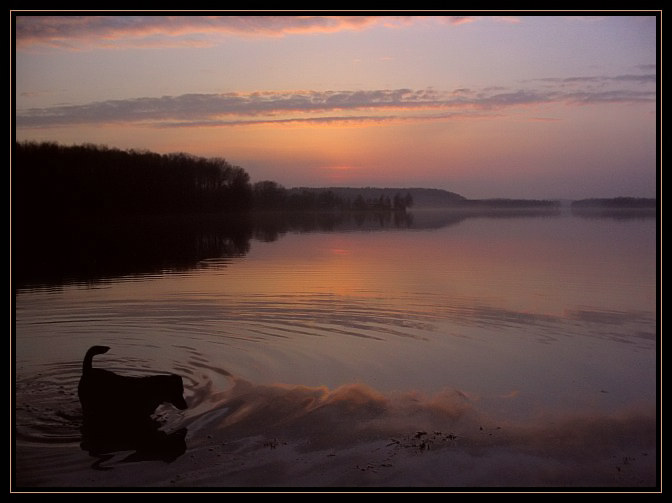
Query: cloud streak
(122, 32)
(90, 32)
(314, 107)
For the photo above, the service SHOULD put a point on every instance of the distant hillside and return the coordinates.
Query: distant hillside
(512, 204)
(425, 198)
(422, 198)
(616, 202)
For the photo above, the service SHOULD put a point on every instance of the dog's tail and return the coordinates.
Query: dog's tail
(93, 351)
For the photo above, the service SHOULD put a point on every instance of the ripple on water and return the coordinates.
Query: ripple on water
(47, 405)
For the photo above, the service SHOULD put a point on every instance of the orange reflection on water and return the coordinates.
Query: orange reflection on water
(541, 272)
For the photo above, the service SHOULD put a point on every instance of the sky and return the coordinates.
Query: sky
(512, 106)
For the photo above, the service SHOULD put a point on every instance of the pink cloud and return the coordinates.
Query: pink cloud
(301, 107)
(88, 32)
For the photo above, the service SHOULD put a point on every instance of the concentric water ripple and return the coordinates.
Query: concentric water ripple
(47, 405)
(523, 327)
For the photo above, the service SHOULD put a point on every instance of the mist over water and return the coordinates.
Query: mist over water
(478, 343)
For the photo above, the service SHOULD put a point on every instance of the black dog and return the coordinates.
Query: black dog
(117, 411)
(102, 392)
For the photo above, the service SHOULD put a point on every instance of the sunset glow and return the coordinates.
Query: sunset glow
(485, 106)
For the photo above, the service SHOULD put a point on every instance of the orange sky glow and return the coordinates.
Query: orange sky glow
(485, 106)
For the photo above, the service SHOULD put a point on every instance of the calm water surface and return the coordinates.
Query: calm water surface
(522, 315)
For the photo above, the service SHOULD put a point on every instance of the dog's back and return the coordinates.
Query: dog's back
(103, 393)
(117, 413)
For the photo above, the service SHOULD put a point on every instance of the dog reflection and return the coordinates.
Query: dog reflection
(117, 412)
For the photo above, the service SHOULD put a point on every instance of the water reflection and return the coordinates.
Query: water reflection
(270, 226)
(530, 316)
(57, 252)
(615, 213)
(54, 252)
(146, 441)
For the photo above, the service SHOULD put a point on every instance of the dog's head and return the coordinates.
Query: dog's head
(176, 392)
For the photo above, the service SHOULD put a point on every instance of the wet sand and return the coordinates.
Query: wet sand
(254, 437)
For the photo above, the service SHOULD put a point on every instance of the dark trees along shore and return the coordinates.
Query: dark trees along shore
(49, 179)
(89, 179)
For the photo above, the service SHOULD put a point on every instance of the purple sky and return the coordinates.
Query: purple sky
(486, 106)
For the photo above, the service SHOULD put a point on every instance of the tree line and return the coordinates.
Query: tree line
(89, 179)
(269, 195)
(51, 179)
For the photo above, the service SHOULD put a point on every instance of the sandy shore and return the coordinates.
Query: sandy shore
(277, 437)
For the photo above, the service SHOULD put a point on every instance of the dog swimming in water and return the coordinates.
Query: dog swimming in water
(117, 411)
(104, 392)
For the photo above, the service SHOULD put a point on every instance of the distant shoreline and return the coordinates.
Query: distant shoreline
(629, 203)
(48, 178)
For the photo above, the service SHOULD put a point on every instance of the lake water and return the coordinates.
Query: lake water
(508, 318)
